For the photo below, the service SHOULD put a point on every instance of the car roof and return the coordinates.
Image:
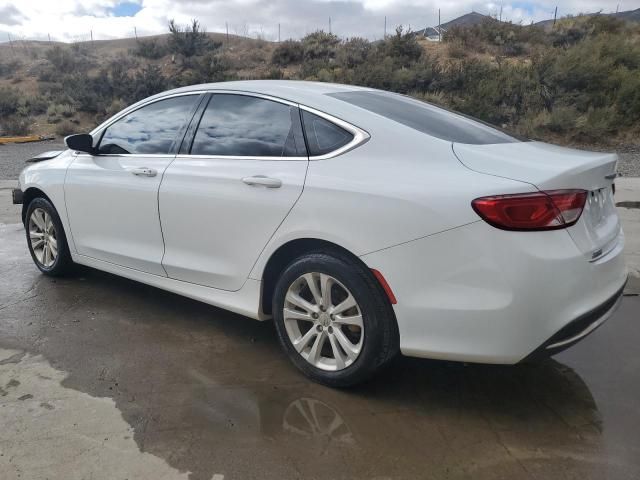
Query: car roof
(286, 89)
(310, 94)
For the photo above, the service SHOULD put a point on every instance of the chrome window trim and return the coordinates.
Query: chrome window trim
(359, 136)
(239, 157)
(126, 155)
(101, 128)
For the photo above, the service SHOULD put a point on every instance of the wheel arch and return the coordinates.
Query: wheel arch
(289, 251)
(29, 195)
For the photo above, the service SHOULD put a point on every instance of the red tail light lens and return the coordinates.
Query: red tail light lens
(548, 210)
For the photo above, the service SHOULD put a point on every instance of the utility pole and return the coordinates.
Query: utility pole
(329, 25)
(11, 44)
(227, 25)
(135, 32)
(49, 35)
(501, 11)
(555, 16)
(278, 33)
(385, 27)
(617, 8)
(439, 28)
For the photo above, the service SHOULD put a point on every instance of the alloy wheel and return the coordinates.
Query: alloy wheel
(323, 321)
(43, 238)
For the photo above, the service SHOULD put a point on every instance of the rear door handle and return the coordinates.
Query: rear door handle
(263, 181)
(143, 172)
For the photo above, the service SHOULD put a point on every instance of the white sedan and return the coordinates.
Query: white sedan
(363, 222)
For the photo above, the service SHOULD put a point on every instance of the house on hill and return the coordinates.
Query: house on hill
(433, 34)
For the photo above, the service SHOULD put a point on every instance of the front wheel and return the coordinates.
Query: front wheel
(46, 239)
(333, 319)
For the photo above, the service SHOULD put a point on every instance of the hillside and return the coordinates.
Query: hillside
(628, 16)
(577, 84)
(468, 20)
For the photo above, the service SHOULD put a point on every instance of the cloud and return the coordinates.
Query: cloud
(10, 15)
(70, 20)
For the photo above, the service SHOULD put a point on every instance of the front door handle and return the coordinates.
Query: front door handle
(263, 181)
(143, 172)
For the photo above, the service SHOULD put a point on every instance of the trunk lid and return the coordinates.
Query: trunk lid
(549, 167)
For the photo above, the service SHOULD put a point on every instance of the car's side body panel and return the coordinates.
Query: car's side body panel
(245, 301)
(395, 192)
(214, 224)
(49, 177)
(113, 213)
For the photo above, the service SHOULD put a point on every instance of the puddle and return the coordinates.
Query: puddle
(49, 431)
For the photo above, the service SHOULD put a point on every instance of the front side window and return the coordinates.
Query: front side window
(152, 129)
(241, 125)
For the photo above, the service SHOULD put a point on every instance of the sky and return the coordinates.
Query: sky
(77, 20)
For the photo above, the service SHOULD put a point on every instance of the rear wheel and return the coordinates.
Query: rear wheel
(46, 239)
(333, 319)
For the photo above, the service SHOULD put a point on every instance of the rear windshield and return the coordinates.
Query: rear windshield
(426, 118)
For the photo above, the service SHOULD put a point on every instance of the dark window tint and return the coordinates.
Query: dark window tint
(322, 135)
(151, 129)
(245, 126)
(426, 118)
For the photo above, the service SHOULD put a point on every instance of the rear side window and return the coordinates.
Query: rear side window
(152, 129)
(426, 118)
(241, 125)
(323, 136)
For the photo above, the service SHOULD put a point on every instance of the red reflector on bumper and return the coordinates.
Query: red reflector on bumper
(385, 286)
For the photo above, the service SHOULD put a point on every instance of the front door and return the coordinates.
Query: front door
(223, 199)
(112, 197)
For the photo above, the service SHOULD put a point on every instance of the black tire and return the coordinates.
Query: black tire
(380, 343)
(62, 263)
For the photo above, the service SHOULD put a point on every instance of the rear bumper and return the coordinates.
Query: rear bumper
(17, 196)
(580, 328)
(479, 294)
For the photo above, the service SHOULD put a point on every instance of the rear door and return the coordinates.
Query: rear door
(112, 197)
(236, 179)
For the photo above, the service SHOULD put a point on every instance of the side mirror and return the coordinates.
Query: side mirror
(82, 142)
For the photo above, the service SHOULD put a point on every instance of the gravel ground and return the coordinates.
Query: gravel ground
(13, 156)
(629, 164)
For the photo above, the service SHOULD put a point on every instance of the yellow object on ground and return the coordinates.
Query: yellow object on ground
(30, 138)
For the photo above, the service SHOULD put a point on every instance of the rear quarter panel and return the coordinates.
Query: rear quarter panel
(399, 186)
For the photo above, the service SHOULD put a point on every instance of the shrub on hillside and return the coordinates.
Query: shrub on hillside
(287, 52)
(147, 82)
(15, 125)
(66, 128)
(151, 49)
(403, 47)
(9, 101)
(8, 69)
(319, 45)
(188, 41)
(354, 51)
(69, 59)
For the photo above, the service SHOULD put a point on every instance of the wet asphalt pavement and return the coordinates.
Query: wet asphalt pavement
(101, 377)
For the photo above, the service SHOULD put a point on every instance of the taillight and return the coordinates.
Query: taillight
(549, 210)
